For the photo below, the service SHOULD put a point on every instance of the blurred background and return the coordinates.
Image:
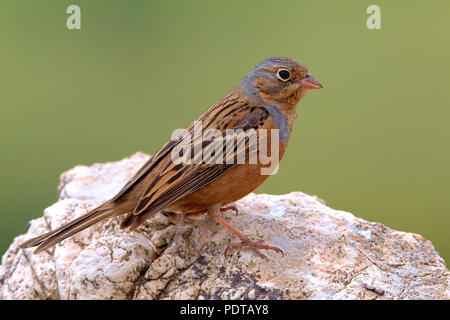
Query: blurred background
(374, 142)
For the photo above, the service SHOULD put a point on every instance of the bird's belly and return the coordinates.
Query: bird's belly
(236, 184)
(227, 188)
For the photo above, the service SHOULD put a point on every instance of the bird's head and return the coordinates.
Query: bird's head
(279, 80)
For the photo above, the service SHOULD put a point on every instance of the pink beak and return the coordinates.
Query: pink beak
(309, 82)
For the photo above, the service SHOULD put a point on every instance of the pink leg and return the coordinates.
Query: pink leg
(193, 213)
(245, 242)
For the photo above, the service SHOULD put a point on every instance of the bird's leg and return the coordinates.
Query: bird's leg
(245, 241)
(193, 213)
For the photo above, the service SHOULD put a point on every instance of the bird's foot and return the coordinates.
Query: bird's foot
(255, 246)
(232, 208)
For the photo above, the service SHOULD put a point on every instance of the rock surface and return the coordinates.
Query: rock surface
(329, 254)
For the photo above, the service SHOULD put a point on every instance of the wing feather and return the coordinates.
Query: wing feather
(177, 180)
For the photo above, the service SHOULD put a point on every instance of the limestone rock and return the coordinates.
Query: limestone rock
(329, 254)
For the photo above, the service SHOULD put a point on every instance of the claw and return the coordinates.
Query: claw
(254, 246)
(232, 208)
(245, 242)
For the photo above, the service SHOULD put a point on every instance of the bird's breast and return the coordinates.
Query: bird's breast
(240, 180)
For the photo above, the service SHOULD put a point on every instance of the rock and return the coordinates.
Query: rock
(329, 254)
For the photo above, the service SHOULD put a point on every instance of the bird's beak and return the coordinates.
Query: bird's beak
(309, 82)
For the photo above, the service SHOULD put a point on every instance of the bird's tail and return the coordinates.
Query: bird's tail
(48, 240)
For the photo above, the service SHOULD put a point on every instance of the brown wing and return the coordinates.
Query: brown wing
(178, 179)
(146, 168)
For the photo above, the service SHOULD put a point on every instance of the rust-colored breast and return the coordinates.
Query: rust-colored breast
(233, 185)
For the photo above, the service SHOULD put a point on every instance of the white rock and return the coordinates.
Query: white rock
(329, 254)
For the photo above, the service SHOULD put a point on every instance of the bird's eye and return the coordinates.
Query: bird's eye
(283, 74)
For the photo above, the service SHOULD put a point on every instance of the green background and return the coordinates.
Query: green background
(374, 142)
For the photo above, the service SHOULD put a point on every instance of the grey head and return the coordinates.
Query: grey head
(278, 78)
(278, 82)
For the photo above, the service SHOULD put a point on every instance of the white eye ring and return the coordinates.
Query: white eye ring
(283, 74)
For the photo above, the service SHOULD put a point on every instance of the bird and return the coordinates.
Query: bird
(176, 179)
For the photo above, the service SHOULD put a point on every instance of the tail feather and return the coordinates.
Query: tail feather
(48, 240)
(133, 221)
